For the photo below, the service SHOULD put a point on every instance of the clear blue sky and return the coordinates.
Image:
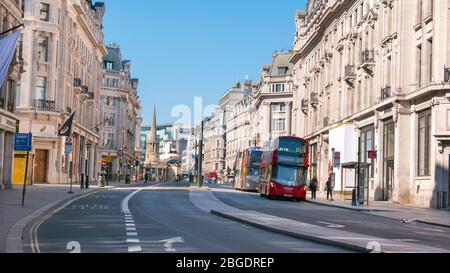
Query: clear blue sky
(181, 49)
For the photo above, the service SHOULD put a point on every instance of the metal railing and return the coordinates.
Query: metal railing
(385, 92)
(77, 82)
(91, 95)
(368, 56)
(314, 100)
(45, 105)
(305, 104)
(350, 71)
(84, 89)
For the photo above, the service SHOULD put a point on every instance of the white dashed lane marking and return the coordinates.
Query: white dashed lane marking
(132, 235)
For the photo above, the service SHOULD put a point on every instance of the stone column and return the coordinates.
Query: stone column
(288, 118)
(427, 8)
(426, 49)
(268, 117)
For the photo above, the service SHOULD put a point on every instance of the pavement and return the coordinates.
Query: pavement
(39, 199)
(404, 213)
(157, 218)
(255, 211)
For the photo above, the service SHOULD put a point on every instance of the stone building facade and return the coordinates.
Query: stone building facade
(120, 108)
(63, 51)
(372, 75)
(10, 17)
(238, 127)
(271, 112)
(216, 131)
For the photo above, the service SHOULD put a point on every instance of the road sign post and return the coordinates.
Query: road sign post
(23, 142)
(69, 150)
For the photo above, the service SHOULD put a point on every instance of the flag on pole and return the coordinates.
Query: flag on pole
(7, 48)
(66, 129)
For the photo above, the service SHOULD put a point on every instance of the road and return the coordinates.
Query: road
(356, 222)
(158, 218)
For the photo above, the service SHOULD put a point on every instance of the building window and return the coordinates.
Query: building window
(279, 124)
(367, 144)
(111, 117)
(108, 65)
(424, 136)
(282, 71)
(41, 88)
(278, 88)
(43, 49)
(278, 107)
(45, 12)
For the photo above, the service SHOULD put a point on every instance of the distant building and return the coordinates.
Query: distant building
(164, 148)
(120, 109)
(215, 139)
(271, 111)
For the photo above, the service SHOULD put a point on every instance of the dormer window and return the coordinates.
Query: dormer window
(282, 71)
(108, 65)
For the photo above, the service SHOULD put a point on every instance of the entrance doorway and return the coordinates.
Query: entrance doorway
(388, 187)
(389, 163)
(40, 168)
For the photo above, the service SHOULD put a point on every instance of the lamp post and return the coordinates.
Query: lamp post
(200, 160)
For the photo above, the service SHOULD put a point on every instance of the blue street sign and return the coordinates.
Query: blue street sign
(68, 149)
(23, 142)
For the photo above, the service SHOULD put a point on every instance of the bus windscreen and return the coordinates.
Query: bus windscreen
(292, 151)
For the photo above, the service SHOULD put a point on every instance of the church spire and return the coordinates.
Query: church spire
(153, 129)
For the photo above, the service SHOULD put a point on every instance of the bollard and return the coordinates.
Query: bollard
(354, 197)
(81, 181)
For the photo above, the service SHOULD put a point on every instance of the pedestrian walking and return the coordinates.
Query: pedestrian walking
(146, 178)
(313, 187)
(330, 187)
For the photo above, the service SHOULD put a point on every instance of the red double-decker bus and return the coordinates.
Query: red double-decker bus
(284, 169)
(247, 169)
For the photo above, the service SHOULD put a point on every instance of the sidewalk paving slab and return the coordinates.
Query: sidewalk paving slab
(205, 200)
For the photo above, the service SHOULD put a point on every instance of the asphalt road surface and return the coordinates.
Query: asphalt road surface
(156, 219)
(352, 221)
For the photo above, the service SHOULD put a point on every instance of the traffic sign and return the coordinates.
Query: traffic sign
(23, 142)
(68, 149)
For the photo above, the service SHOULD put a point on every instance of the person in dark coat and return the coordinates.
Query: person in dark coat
(313, 187)
(330, 189)
(146, 178)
